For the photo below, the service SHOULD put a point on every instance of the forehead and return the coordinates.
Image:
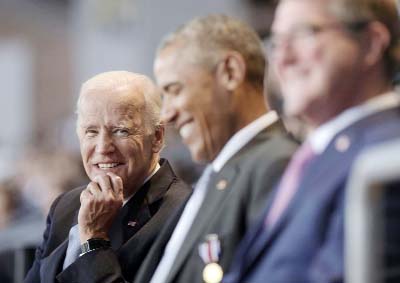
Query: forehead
(177, 63)
(291, 13)
(101, 104)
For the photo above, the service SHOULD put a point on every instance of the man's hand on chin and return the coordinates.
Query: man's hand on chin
(100, 203)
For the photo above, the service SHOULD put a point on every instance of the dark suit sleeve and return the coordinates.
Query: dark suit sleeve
(33, 275)
(110, 270)
(99, 266)
(106, 266)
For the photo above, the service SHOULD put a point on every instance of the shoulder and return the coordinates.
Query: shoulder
(266, 148)
(165, 185)
(381, 123)
(177, 190)
(371, 130)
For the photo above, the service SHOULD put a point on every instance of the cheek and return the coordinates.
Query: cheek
(305, 82)
(198, 140)
(335, 69)
(317, 72)
(85, 149)
(134, 150)
(88, 147)
(214, 133)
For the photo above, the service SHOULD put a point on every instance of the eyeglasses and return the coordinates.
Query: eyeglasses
(308, 33)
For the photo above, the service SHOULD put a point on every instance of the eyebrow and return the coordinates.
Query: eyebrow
(86, 126)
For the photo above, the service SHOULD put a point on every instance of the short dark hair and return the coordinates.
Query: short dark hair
(213, 33)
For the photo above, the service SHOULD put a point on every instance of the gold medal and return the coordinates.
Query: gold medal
(212, 273)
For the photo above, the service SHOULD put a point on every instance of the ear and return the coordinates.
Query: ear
(158, 139)
(378, 41)
(231, 71)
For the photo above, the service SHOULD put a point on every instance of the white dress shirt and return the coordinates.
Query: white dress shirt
(235, 143)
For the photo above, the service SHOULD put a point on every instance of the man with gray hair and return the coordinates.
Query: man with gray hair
(335, 61)
(109, 225)
(211, 74)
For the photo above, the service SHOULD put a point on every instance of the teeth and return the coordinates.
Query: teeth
(107, 165)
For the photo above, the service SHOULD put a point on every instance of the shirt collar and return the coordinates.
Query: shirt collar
(242, 137)
(322, 136)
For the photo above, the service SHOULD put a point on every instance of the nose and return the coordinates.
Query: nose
(105, 144)
(169, 112)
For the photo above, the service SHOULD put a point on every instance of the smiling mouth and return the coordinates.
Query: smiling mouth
(107, 165)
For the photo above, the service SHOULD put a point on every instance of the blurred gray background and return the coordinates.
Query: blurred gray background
(48, 48)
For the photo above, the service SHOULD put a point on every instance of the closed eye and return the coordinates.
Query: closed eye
(91, 132)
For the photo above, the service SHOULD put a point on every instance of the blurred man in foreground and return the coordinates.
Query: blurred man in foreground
(335, 60)
(211, 73)
(108, 226)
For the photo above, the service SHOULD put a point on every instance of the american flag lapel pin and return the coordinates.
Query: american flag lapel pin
(132, 223)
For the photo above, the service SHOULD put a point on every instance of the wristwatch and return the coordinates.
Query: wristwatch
(94, 244)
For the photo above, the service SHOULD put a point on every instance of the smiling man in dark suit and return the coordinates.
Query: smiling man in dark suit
(108, 226)
(211, 74)
(335, 60)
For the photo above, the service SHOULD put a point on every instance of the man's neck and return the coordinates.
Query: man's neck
(354, 97)
(251, 100)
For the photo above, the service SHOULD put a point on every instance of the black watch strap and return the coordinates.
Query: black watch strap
(94, 244)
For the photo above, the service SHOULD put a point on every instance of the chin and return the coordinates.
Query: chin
(291, 110)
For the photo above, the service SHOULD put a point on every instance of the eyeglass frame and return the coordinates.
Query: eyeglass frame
(309, 31)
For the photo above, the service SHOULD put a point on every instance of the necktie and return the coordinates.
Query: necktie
(289, 182)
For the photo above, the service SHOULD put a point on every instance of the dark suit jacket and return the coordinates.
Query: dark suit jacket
(149, 209)
(307, 242)
(235, 197)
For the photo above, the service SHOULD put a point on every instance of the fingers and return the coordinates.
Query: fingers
(91, 190)
(110, 183)
(96, 216)
(100, 203)
(116, 182)
(104, 183)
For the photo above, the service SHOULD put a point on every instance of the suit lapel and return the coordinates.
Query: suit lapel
(217, 190)
(337, 158)
(131, 217)
(318, 176)
(141, 207)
